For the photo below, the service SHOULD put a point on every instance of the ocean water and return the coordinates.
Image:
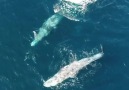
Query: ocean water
(23, 67)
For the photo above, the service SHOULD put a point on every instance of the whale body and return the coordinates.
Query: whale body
(70, 71)
(46, 28)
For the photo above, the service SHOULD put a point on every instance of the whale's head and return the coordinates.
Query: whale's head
(51, 82)
(33, 43)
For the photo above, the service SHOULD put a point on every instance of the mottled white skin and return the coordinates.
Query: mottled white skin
(75, 1)
(71, 70)
(46, 28)
(80, 2)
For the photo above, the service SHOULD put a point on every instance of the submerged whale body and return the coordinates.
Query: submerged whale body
(70, 71)
(46, 28)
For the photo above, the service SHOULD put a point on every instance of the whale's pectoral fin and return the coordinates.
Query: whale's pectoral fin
(35, 34)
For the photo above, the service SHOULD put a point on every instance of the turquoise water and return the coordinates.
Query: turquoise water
(23, 67)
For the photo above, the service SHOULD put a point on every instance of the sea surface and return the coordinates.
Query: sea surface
(23, 67)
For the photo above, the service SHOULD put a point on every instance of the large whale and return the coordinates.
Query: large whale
(70, 71)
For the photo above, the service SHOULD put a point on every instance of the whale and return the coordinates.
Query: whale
(71, 70)
(50, 24)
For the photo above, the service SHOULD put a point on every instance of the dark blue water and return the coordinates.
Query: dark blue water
(23, 67)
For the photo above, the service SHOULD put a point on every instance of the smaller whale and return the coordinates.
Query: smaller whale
(70, 71)
(46, 28)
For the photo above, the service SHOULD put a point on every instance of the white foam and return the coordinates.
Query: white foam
(73, 9)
